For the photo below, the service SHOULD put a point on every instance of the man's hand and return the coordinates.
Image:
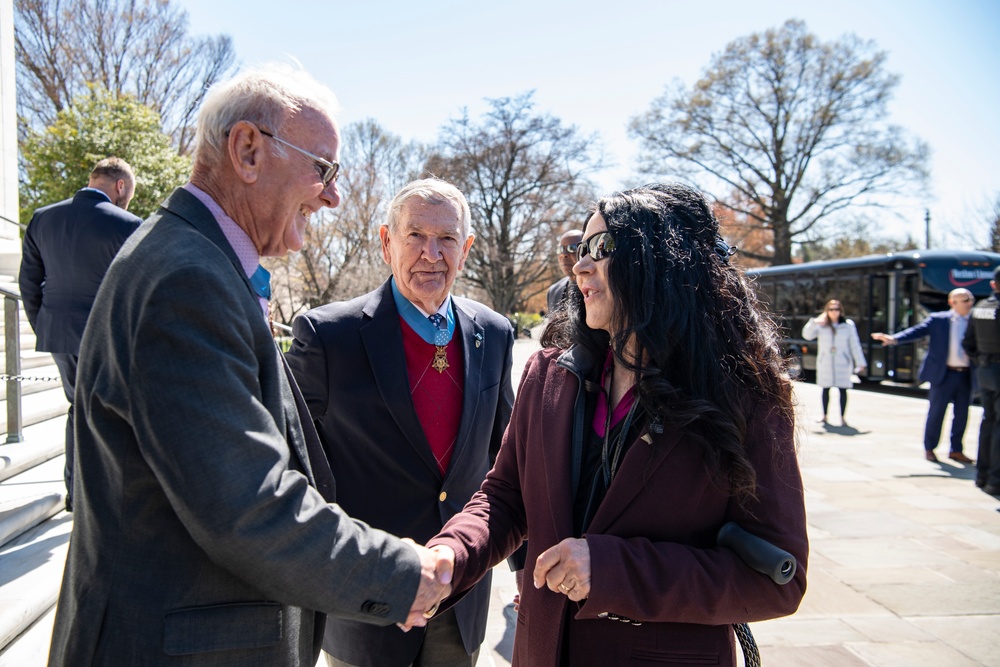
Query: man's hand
(437, 566)
(565, 568)
(885, 339)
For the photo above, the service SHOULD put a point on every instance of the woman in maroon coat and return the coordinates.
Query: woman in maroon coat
(657, 411)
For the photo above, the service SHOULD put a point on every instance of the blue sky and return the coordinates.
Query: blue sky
(412, 66)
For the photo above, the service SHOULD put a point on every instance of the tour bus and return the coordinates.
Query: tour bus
(881, 293)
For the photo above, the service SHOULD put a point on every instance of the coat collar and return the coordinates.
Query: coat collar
(643, 458)
(186, 206)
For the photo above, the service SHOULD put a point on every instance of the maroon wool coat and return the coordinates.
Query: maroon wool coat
(652, 540)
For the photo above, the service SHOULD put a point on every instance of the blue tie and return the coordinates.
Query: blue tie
(261, 282)
(441, 335)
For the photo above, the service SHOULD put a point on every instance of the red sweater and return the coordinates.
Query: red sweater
(437, 397)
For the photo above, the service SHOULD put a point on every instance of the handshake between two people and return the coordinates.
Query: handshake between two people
(437, 568)
(563, 568)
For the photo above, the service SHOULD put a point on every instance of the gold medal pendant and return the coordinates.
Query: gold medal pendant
(440, 359)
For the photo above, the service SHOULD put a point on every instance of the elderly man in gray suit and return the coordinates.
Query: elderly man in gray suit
(204, 531)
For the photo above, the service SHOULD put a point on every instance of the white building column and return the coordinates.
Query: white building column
(10, 240)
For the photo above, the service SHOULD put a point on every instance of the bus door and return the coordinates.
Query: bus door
(905, 357)
(877, 318)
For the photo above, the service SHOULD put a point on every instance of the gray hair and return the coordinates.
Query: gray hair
(432, 191)
(265, 96)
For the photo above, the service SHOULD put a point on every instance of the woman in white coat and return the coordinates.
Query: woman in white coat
(839, 353)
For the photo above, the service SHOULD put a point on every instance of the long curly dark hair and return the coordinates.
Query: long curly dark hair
(708, 357)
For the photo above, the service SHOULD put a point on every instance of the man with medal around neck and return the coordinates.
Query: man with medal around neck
(410, 389)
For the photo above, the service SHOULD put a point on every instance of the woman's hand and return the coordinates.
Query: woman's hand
(565, 568)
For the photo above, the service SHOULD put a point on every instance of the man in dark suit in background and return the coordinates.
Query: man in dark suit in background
(66, 252)
(947, 368)
(411, 391)
(982, 343)
(204, 532)
(556, 295)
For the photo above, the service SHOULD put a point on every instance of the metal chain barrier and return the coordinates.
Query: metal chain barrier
(29, 378)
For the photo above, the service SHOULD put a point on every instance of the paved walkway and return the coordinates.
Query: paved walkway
(904, 569)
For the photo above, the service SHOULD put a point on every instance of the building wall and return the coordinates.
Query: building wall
(10, 244)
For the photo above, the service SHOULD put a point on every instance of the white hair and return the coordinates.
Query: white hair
(432, 191)
(266, 96)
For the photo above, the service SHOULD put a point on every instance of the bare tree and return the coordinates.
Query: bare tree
(524, 174)
(136, 47)
(980, 227)
(342, 257)
(796, 126)
(993, 220)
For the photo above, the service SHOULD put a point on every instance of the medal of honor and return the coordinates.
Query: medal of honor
(440, 362)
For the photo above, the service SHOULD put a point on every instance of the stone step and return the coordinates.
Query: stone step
(31, 647)
(42, 442)
(31, 497)
(37, 408)
(33, 360)
(31, 575)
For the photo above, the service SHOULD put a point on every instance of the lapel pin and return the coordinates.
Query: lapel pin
(479, 339)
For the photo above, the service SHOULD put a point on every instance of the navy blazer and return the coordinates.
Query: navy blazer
(938, 327)
(67, 249)
(348, 359)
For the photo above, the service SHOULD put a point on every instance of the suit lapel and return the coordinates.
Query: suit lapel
(641, 462)
(383, 341)
(557, 451)
(473, 351)
(306, 442)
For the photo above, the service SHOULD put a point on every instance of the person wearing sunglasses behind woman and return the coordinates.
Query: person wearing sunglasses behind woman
(657, 411)
(838, 354)
(555, 298)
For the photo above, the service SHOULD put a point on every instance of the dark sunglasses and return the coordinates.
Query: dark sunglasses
(568, 249)
(598, 246)
(328, 171)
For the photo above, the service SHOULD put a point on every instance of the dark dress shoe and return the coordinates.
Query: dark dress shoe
(992, 489)
(961, 458)
(980, 481)
(929, 455)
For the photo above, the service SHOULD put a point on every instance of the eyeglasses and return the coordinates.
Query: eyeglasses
(837, 308)
(569, 249)
(328, 171)
(598, 246)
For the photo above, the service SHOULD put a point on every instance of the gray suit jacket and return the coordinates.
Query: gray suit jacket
(348, 358)
(198, 538)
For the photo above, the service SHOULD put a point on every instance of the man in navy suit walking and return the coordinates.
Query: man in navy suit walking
(67, 249)
(946, 368)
